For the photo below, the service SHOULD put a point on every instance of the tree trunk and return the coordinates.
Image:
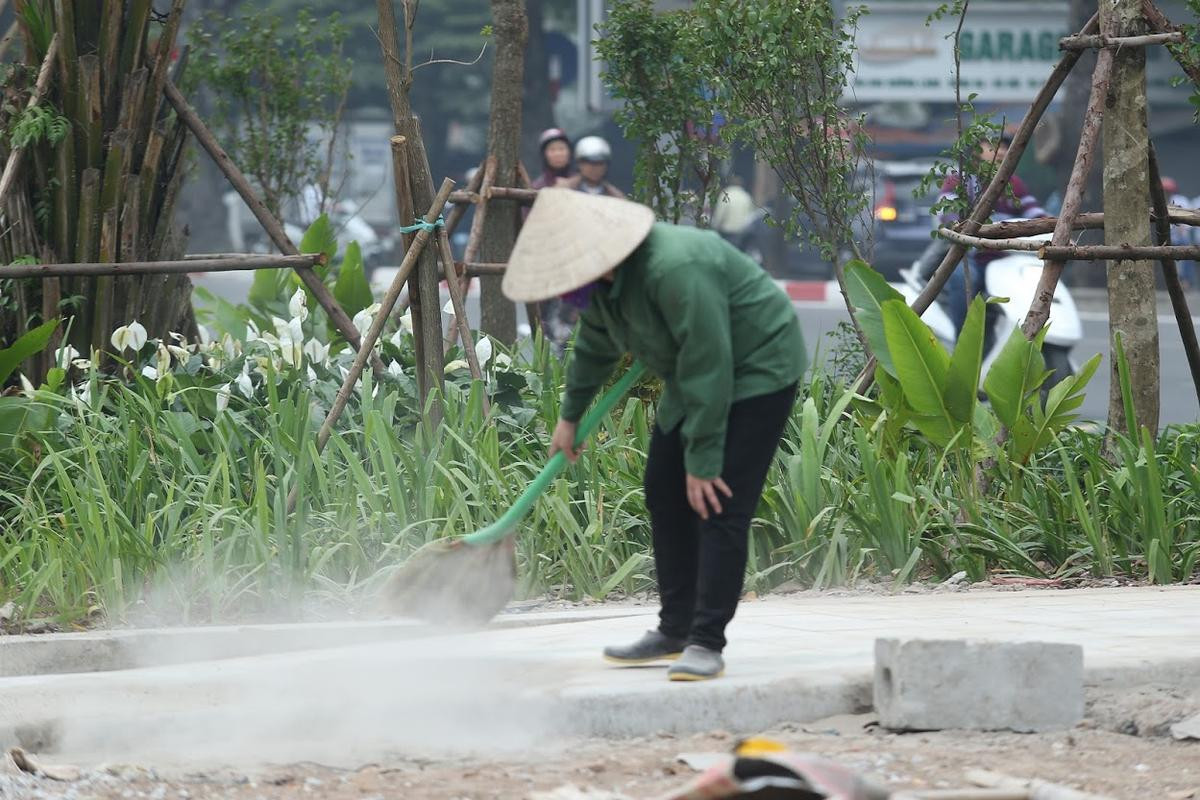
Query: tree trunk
(504, 142)
(1132, 303)
(538, 111)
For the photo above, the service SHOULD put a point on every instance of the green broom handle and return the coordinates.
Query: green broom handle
(507, 523)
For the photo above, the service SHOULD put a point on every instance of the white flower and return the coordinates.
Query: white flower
(163, 359)
(503, 361)
(230, 347)
(398, 337)
(362, 320)
(244, 385)
(181, 353)
(26, 387)
(406, 323)
(312, 376)
(298, 305)
(82, 394)
(291, 340)
(483, 350)
(177, 336)
(65, 355)
(316, 351)
(395, 368)
(131, 336)
(252, 332)
(150, 372)
(81, 364)
(205, 336)
(456, 364)
(223, 397)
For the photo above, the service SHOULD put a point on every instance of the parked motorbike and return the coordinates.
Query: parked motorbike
(1014, 276)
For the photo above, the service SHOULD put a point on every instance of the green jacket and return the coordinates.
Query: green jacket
(703, 317)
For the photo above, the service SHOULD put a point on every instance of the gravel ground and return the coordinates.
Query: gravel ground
(1115, 764)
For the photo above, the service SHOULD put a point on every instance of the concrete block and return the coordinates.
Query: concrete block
(930, 684)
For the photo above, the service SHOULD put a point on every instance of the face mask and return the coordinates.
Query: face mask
(579, 298)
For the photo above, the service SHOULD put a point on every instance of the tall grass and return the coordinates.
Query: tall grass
(126, 494)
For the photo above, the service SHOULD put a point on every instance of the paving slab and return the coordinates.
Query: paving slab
(129, 648)
(792, 659)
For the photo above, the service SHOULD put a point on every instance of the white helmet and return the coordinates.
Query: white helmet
(593, 148)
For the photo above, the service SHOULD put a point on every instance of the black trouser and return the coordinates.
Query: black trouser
(701, 564)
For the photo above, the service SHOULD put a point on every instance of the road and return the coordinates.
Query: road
(1179, 403)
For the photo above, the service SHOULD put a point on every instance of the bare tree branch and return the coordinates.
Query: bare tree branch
(432, 60)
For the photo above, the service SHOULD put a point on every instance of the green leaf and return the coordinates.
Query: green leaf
(20, 415)
(921, 362)
(267, 287)
(1015, 375)
(868, 291)
(962, 381)
(351, 289)
(1061, 403)
(28, 344)
(320, 238)
(1126, 382)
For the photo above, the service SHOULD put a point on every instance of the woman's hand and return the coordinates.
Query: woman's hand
(702, 494)
(563, 439)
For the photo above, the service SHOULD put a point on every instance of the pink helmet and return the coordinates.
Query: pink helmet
(553, 135)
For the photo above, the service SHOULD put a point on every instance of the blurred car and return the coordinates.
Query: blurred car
(897, 232)
(902, 215)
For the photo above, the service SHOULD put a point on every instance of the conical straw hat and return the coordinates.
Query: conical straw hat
(570, 239)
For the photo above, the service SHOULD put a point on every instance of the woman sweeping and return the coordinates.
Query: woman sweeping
(727, 344)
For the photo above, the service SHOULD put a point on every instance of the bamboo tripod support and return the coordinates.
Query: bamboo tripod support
(973, 232)
(377, 324)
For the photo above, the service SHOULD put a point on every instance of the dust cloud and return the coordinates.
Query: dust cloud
(425, 696)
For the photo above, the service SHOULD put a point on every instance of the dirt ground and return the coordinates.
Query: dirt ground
(1091, 757)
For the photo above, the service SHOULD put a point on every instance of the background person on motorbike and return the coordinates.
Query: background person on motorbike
(1015, 201)
(592, 155)
(557, 320)
(556, 157)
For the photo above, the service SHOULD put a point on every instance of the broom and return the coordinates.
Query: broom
(469, 579)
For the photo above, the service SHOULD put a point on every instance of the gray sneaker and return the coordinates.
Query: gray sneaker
(653, 646)
(697, 664)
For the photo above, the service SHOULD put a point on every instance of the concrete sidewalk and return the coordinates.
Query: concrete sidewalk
(791, 659)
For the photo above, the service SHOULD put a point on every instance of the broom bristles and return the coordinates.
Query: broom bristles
(450, 582)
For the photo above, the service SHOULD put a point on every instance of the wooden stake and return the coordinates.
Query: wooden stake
(1158, 20)
(460, 310)
(476, 234)
(1117, 252)
(13, 164)
(1087, 221)
(422, 343)
(272, 226)
(524, 196)
(1183, 316)
(1100, 40)
(1039, 309)
(377, 324)
(189, 265)
(460, 210)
